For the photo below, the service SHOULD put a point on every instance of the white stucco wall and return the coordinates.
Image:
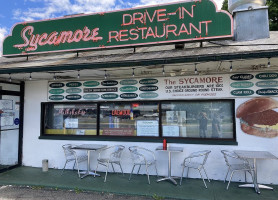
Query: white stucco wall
(35, 150)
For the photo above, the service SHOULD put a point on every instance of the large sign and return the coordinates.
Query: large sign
(191, 20)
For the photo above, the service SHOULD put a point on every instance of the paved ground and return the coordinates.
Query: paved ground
(52, 185)
(38, 193)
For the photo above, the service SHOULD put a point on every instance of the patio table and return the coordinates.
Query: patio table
(89, 148)
(254, 155)
(169, 150)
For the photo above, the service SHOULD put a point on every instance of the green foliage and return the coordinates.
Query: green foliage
(37, 187)
(77, 190)
(225, 5)
(155, 197)
(273, 14)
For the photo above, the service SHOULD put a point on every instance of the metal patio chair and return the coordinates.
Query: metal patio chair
(141, 156)
(71, 156)
(110, 155)
(235, 164)
(196, 160)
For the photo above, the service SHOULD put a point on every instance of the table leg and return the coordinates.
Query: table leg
(255, 185)
(88, 171)
(169, 177)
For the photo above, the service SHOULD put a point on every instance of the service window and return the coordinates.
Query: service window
(129, 119)
(70, 119)
(198, 119)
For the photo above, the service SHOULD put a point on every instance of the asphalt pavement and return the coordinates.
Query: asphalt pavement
(39, 193)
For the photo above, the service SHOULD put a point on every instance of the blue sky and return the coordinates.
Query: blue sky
(14, 11)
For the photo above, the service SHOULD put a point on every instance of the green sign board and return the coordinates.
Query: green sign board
(193, 20)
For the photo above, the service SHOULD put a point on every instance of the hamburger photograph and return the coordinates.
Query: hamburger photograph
(258, 117)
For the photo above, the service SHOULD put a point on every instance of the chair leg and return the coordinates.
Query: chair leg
(139, 169)
(156, 169)
(182, 174)
(131, 172)
(245, 176)
(206, 174)
(226, 175)
(112, 167)
(64, 168)
(121, 168)
(187, 172)
(230, 179)
(202, 178)
(78, 169)
(96, 170)
(147, 170)
(106, 171)
(74, 165)
(253, 179)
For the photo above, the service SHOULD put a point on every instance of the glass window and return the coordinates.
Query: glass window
(198, 119)
(70, 119)
(10, 87)
(129, 119)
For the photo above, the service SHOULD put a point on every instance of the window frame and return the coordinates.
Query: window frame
(159, 139)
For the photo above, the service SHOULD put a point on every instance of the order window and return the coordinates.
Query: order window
(129, 119)
(70, 119)
(198, 119)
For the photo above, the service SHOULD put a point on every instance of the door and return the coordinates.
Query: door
(11, 115)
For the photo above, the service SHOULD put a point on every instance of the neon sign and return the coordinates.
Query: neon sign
(191, 20)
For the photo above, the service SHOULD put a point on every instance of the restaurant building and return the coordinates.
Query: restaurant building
(181, 72)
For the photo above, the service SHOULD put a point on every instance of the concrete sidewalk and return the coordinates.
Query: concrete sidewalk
(49, 185)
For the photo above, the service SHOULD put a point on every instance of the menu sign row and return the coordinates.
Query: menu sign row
(187, 87)
(149, 88)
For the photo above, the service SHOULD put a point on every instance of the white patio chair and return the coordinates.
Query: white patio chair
(235, 164)
(71, 156)
(196, 160)
(141, 156)
(110, 155)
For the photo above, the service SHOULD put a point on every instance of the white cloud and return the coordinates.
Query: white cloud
(153, 2)
(57, 8)
(3, 33)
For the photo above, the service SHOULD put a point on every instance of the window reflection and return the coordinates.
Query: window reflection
(129, 119)
(71, 119)
(198, 119)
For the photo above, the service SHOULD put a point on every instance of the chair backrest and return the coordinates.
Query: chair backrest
(200, 155)
(230, 156)
(113, 152)
(69, 153)
(118, 150)
(140, 154)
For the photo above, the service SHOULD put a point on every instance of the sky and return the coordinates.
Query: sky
(14, 11)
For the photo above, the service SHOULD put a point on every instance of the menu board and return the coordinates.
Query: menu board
(147, 128)
(6, 104)
(171, 131)
(71, 123)
(260, 84)
(7, 119)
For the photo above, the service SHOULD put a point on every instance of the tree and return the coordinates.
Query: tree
(272, 13)
(225, 5)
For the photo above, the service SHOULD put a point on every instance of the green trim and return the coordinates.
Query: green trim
(153, 61)
(142, 139)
